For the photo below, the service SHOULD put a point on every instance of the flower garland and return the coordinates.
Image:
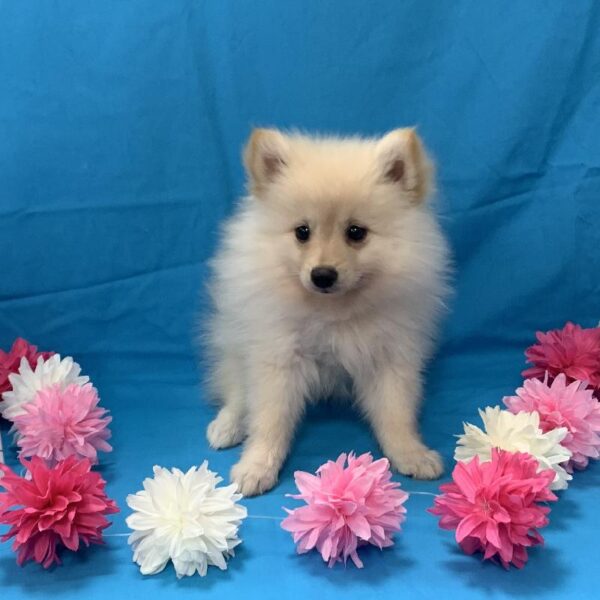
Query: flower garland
(496, 503)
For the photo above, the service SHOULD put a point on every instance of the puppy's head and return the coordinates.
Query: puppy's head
(334, 210)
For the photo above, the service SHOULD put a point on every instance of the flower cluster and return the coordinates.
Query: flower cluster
(509, 466)
(58, 425)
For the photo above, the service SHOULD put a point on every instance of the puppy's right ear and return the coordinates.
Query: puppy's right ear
(264, 157)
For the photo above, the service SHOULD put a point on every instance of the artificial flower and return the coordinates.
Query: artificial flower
(562, 404)
(346, 506)
(10, 361)
(184, 518)
(28, 382)
(494, 506)
(61, 422)
(516, 433)
(571, 350)
(65, 505)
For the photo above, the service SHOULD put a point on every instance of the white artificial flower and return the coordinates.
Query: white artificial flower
(27, 382)
(186, 518)
(516, 433)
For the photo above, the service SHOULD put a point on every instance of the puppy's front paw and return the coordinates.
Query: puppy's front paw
(253, 478)
(421, 463)
(224, 432)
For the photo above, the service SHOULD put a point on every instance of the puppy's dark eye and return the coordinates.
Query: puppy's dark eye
(355, 233)
(302, 233)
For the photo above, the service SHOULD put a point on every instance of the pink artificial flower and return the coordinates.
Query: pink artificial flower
(10, 361)
(60, 506)
(346, 506)
(572, 350)
(563, 404)
(493, 506)
(63, 422)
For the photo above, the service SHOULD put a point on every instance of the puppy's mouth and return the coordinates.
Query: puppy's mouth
(335, 290)
(341, 290)
(314, 290)
(338, 289)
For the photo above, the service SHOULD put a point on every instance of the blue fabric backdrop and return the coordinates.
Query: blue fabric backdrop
(121, 125)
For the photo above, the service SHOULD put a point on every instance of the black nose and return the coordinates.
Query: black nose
(323, 277)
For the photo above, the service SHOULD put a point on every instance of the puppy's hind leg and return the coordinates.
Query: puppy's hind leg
(229, 427)
(390, 399)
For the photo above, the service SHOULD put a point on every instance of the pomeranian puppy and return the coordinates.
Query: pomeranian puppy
(332, 269)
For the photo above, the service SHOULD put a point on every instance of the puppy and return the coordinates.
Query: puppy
(332, 269)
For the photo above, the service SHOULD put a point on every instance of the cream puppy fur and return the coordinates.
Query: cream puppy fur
(332, 269)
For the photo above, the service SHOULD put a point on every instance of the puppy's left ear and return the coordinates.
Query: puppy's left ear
(402, 160)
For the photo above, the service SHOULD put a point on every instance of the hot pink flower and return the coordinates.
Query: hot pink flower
(563, 404)
(346, 506)
(493, 506)
(63, 422)
(572, 350)
(10, 361)
(65, 505)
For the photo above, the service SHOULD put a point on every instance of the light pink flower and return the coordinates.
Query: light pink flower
(63, 422)
(562, 404)
(346, 506)
(572, 350)
(10, 361)
(493, 506)
(61, 506)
